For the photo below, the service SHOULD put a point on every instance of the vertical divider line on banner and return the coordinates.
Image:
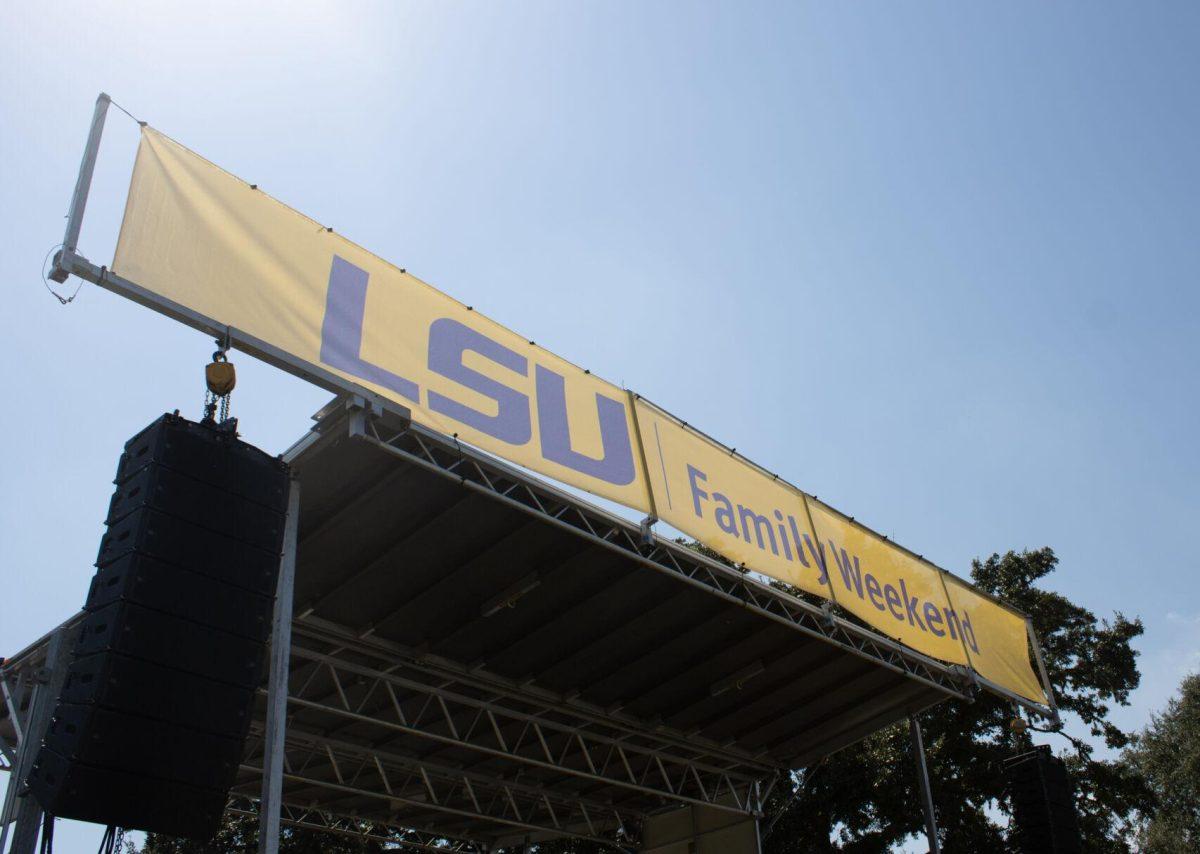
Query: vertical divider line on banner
(941, 574)
(820, 555)
(733, 453)
(647, 534)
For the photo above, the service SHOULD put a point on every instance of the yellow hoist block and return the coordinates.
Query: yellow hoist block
(220, 376)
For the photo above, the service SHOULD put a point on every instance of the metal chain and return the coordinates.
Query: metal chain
(217, 407)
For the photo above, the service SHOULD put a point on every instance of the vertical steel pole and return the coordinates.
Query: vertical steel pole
(918, 744)
(41, 707)
(277, 688)
(1037, 656)
(83, 185)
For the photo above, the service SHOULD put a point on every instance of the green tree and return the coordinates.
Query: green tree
(1167, 753)
(865, 797)
(239, 833)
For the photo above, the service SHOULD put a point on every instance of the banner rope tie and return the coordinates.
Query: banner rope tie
(46, 279)
(126, 112)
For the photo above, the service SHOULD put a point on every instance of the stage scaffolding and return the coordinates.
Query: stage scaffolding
(477, 659)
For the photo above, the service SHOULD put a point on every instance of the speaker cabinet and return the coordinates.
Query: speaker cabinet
(151, 724)
(1043, 800)
(108, 796)
(139, 687)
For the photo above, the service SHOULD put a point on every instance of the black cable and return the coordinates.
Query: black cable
(126, 112)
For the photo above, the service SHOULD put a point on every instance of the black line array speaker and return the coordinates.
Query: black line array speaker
(1043, 802)
(152, 720)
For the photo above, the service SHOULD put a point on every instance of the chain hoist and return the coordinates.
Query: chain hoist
(219, 379)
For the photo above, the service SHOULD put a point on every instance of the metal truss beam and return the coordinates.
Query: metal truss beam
(425, 448)
(355, 828)
(418, 777)
(626, 728)
(400, 705)
(47, 686)
(462, 800)
(14, 696)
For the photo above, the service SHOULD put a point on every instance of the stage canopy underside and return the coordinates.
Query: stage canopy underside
(484, 658)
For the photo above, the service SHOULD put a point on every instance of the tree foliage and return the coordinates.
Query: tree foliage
(866, 798)
(1167, 753)
(239, 833)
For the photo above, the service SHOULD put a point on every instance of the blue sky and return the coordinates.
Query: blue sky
(936, 263)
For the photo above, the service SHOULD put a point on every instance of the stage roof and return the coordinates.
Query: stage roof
(480, 656)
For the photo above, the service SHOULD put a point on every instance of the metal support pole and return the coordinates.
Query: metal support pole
(1037, 656)
(918, 743)
(41, 707)
(83, 185)
(277, 686)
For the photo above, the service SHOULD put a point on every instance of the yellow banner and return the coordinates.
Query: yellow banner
(217, 245)
(727, 503)
(888, 588)
(998, 639)
(208, 240)
(753, 518)
(923, 606)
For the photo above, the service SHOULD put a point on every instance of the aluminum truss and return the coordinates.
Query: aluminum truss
(360, 775)
(30, 683)
(427, 449)
(389, 738)
(356, 828)
(621, 726)
(414, 704)
(15, 691)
